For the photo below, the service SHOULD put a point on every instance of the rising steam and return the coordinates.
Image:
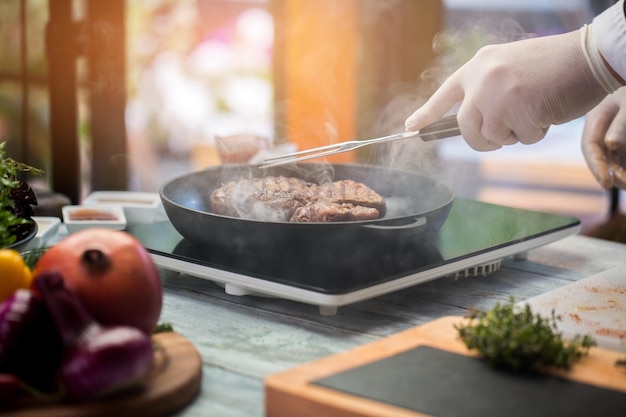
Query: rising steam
(453, 48)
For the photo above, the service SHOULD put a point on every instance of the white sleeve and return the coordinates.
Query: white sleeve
(609, 34)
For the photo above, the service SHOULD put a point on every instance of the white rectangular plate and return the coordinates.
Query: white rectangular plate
(139, 207)
(595, 305)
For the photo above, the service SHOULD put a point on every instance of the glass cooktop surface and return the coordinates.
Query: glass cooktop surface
(474, 233)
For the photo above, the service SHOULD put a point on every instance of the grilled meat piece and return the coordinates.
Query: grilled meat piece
(326, 211)
(268, 198)
(352, 192)
(292, 199)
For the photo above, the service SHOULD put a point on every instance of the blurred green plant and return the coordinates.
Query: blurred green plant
(10, 214)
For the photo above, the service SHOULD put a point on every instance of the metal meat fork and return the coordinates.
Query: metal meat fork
(445, 127)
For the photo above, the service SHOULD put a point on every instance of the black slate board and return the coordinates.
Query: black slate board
(445, 384)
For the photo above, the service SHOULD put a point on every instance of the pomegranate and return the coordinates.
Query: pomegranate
(113, 275)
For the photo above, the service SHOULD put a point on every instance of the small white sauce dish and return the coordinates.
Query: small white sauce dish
(84, 217)
(47, 228)
(139, 207)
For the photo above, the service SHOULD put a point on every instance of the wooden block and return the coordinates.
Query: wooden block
(551, 201)
(293, 393)
(541, 174)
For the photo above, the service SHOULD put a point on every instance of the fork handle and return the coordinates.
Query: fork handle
(445, 127)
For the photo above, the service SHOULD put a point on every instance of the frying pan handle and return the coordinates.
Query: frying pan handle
(419, 222)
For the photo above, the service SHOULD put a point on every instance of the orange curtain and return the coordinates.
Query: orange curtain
(318, 78)
(335, 59)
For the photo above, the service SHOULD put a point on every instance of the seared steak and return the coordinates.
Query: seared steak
(348, 191)
(296, 200)
(268, 198)
(326, 211)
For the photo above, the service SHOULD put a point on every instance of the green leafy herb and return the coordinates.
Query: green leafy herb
(163, 328)
(515, 338)
(32, 256)
(11, 216)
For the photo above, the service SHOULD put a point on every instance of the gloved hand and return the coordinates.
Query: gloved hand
(513, 92)
(604, 140)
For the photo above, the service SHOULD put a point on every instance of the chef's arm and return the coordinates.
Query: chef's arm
(514, 92)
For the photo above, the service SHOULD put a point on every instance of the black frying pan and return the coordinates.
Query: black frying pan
(417, 206)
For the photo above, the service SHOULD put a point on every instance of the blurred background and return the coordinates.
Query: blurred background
(128, 94)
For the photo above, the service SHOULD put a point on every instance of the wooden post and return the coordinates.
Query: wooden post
(61, 55)
(101, 37)
(107, 94)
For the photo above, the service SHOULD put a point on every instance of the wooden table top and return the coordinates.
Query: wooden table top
(242, 340)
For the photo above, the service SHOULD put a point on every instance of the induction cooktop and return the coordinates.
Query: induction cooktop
(475, 237)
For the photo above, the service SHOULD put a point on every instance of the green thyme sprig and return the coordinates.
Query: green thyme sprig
(516, 338)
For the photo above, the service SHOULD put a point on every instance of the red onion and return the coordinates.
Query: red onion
(29, 344)
(9, 389)
(16, 312)
(97, 360)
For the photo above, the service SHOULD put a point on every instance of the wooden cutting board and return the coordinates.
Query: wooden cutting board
(371, 380)
(172, 383)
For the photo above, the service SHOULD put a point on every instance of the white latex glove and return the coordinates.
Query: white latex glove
(513, 92)
(604, 140)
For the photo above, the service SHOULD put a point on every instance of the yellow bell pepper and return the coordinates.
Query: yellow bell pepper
(14, 273)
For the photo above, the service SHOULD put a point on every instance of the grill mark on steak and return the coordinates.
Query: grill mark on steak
(352, 192)
(292, 199)
(326, 211)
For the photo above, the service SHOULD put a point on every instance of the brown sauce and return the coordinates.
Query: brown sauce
(92, 214)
